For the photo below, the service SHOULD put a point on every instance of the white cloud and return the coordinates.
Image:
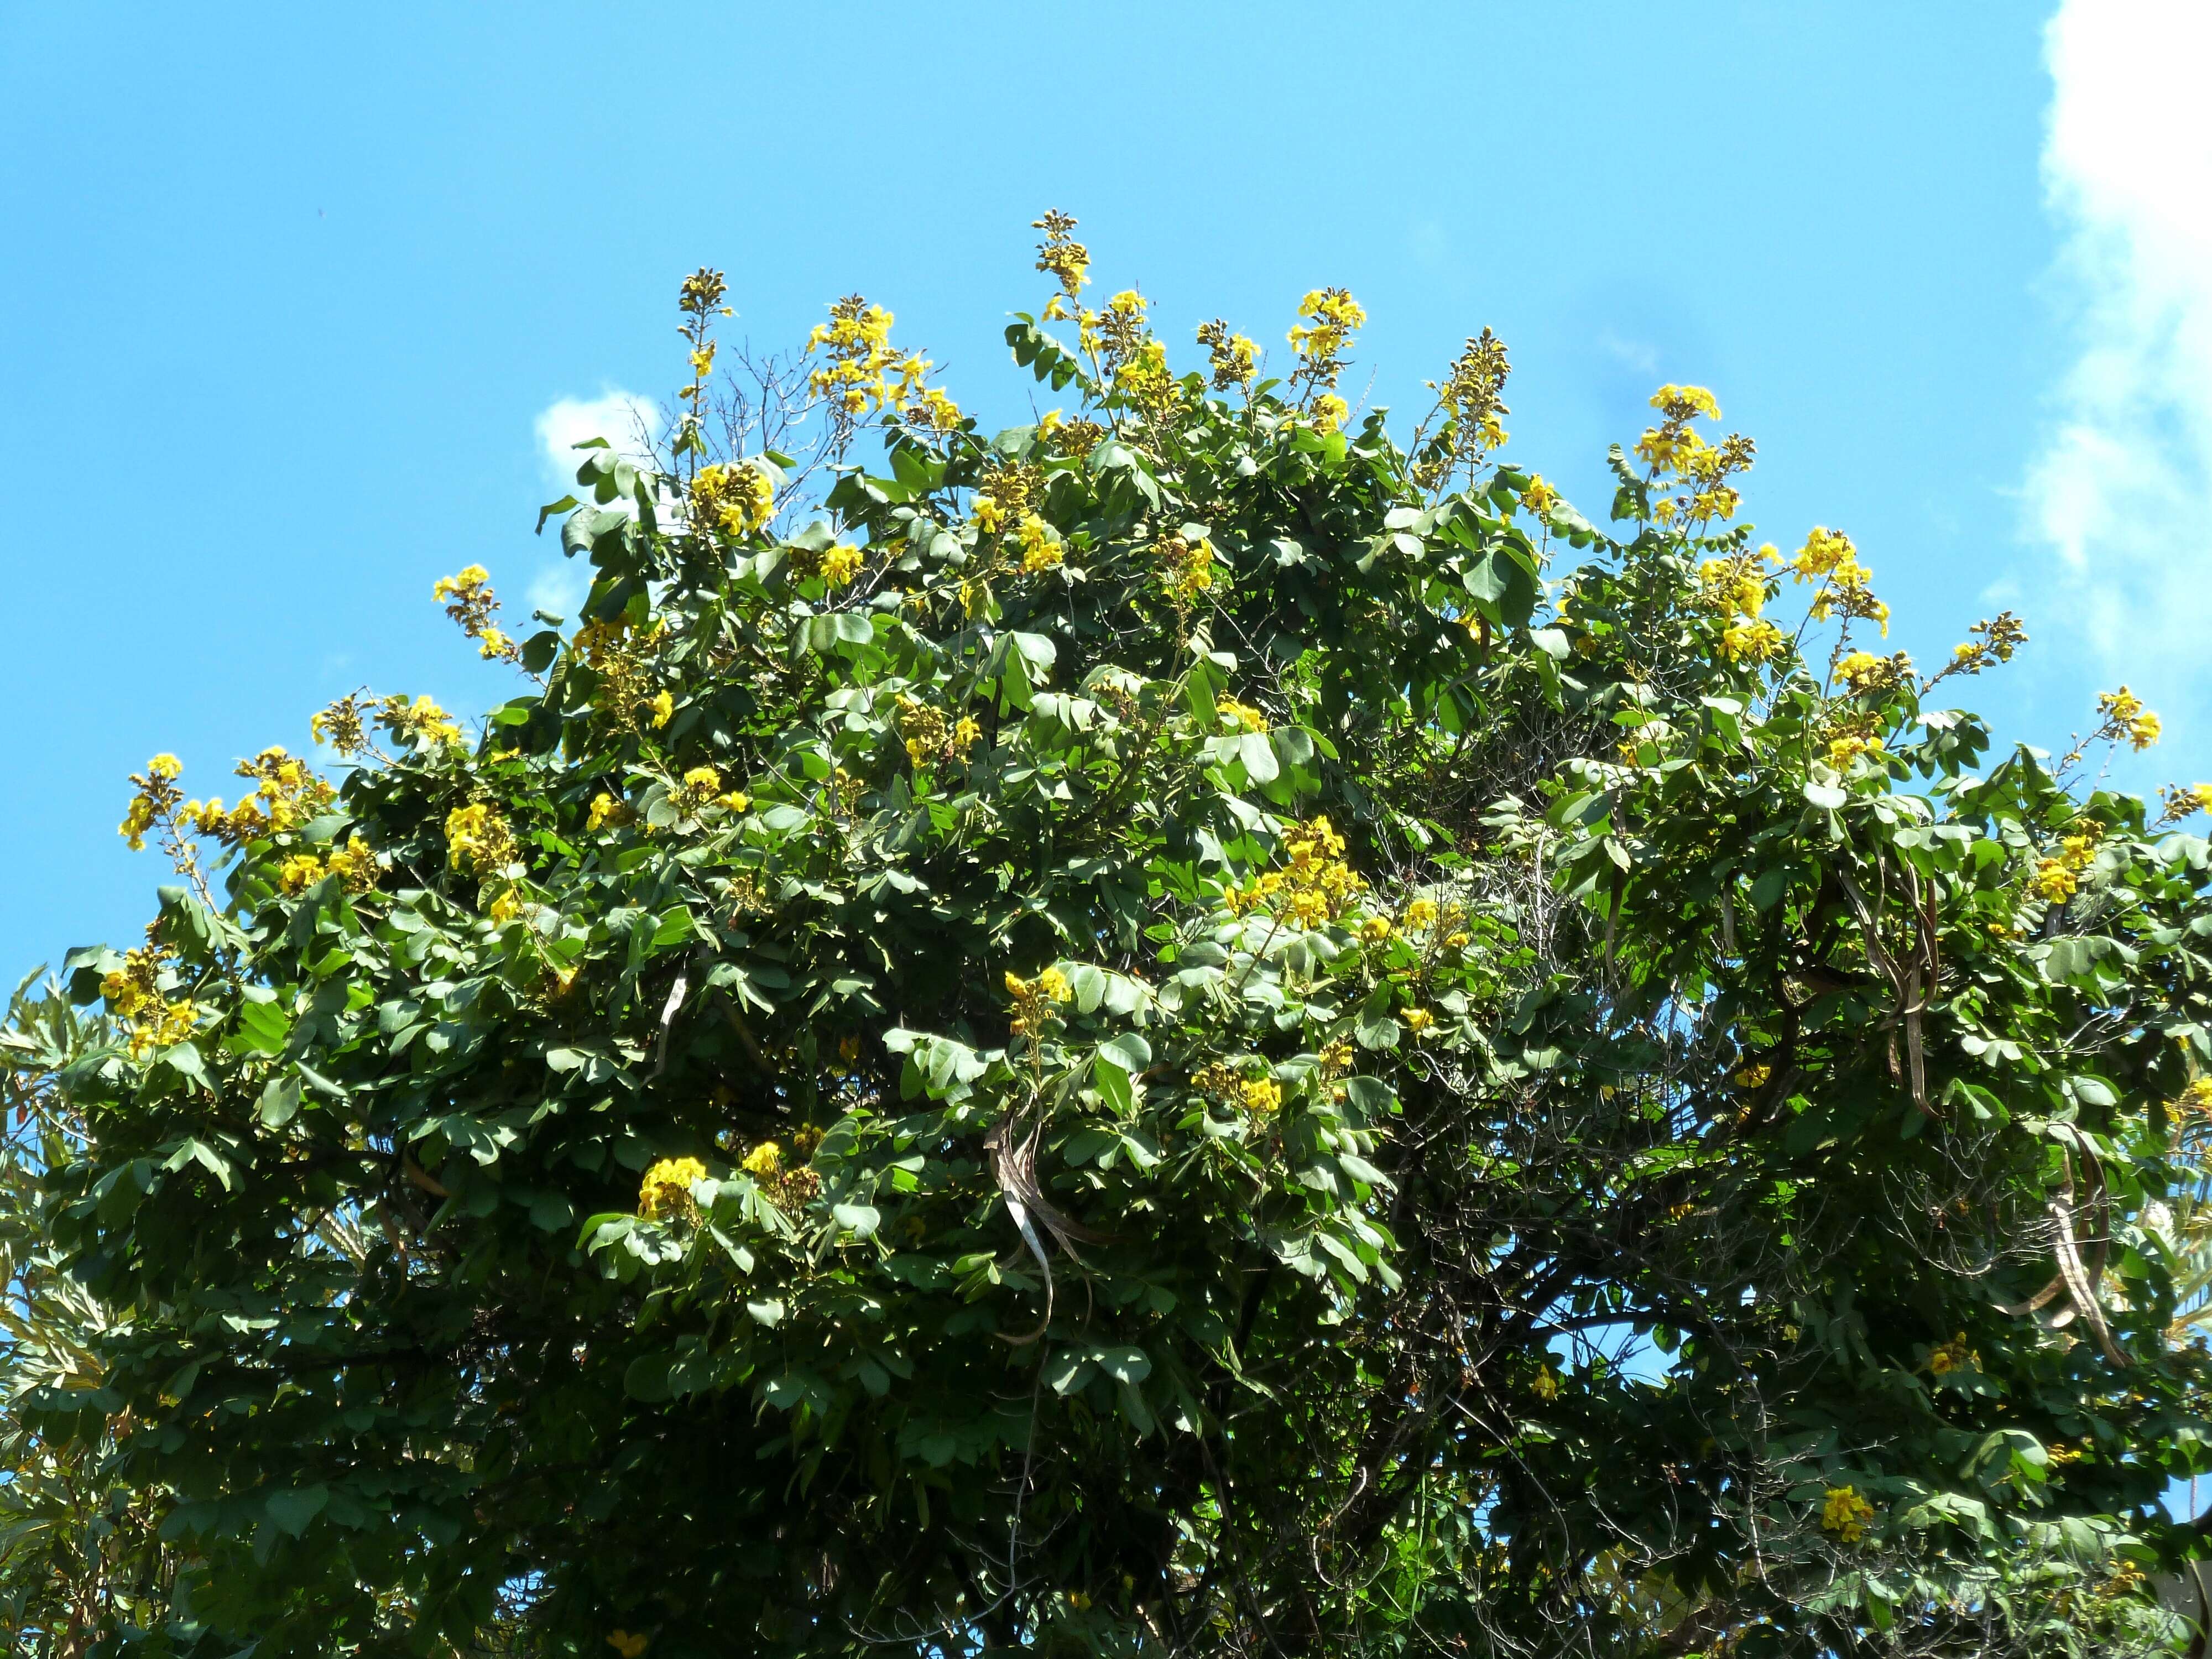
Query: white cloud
(2122, 489)
(631, 423)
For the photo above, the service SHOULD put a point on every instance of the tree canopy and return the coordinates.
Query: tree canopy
(1186, 1028)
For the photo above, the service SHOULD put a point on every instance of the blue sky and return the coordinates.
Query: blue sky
(289, 295)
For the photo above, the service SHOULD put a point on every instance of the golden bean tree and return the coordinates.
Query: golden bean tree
(1187, 1027)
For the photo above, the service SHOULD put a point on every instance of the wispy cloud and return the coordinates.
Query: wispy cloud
(626, 421)
(2122, 489)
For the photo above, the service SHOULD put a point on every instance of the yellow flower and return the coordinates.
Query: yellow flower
(1540, 498)
(1844, 749)
(731, 499)
(299, 873)
(2126, 716)
(666, 1188)
(606, 809)
(353, 864)
(988, 514)
(1825, 550)
(462, 585)
(507, 907)
(1241, 715)
(840, 565)
(1039, 550)
(1033, 996)
(2052, 881)
(704, 779)
(1376, 929)
(1334, 314)
(492, 643)
(664, 708)
(1419, 914)
(1336, 1059)
(628, 1645)
(1952, 1356)
(165, 766)
(1679, 402)
(1753, 641)
(1845, 1514)
(1546, 1384)
(1417, 1020)
(477, 838)
(1329, 412)
(764, 1162)
(1261, 1095)
(736, 801)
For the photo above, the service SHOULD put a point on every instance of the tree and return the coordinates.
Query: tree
(1184, 1028)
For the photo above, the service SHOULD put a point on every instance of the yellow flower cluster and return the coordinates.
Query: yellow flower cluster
(1416, 1020)
(1076, 438)
(353, 864)
(1034, 999)
(470, 602)
(1952, 1355)
(286, 794)
(155, 803)
(1674, 449)
(1233, 359)
(666, 1190)
(1314, 884)
(732, 498)
(1240, 715)
(2055, 879)
(1329, 413)
(930, 737)
(1041, 549)
(2183, 800)
(1829, 558)
(1186, 567)
(1735, 588)
(421, 722)
(605, 810)
(1845, 1514)
(764, 1162)
(342, 725)
(1235, 1083)
(134, 993)
(2195, 1100)
(2124, 716)
(1861, 671)
(1849, 745)
(861, 372)
(1333, 317)
(1997, 639)
(1752, 641)
(1470, 399)
(856, 342)
(836, 566)
(1540, 498)
(477, 839)
(1060, 255)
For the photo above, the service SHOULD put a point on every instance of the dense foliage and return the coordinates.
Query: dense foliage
(1182, 1029)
